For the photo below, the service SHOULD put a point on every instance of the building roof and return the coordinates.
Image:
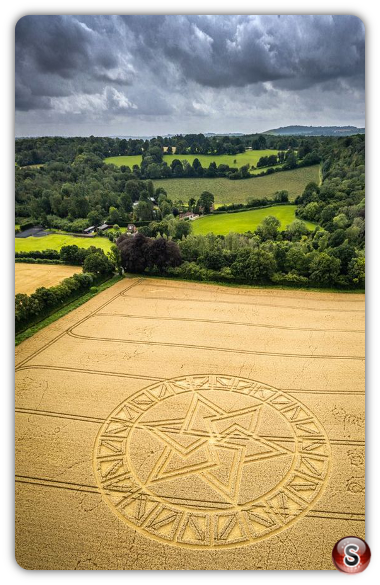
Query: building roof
(188, 214)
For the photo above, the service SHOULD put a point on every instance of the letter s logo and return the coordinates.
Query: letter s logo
(351, 559)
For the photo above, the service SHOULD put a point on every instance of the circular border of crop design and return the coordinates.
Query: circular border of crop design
(177, 525)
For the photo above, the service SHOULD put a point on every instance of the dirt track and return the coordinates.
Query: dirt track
(167, 425)
(28, 277)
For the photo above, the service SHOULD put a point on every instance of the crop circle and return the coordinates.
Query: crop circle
(210, 461)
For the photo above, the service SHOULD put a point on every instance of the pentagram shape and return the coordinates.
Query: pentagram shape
(211, 461)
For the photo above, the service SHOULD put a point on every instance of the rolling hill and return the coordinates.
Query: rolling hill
(316, 131)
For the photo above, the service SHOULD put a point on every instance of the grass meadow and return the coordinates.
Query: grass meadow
(245, 220)
(226, 191)
(250, 157)
(56, 241)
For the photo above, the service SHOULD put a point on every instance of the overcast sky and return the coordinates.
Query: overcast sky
(150, 75)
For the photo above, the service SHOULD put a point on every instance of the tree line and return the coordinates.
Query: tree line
(295, 256)
(154, 166)
(31, 151)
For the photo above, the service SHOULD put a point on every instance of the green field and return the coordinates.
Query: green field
(250, 157)
(245, 220)
(56, 241)
(226, 191)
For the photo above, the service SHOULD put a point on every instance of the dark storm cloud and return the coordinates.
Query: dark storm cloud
(26, 101)
(46, 41)
(133, 67)
(62, 55)
(223, 51)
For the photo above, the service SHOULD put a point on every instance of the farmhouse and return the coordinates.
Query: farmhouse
(188, 215)
(89, 230)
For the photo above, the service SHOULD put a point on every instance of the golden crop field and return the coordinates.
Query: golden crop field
(170, 425)
(29, 277)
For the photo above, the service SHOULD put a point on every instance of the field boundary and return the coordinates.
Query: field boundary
(253, 208)
(115, 280)
(63, 310)
(244, 285)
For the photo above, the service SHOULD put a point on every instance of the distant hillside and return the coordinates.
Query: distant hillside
(209, 134)
(316, 131)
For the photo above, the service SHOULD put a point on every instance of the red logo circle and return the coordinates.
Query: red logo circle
(351, 555)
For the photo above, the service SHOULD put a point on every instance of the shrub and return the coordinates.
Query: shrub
(324, 269)
(98, 264)
(289, 279)
(192, 271)
(253, 265)
(37, 261)
(37, 254)
(26, 225)
(212, 259)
